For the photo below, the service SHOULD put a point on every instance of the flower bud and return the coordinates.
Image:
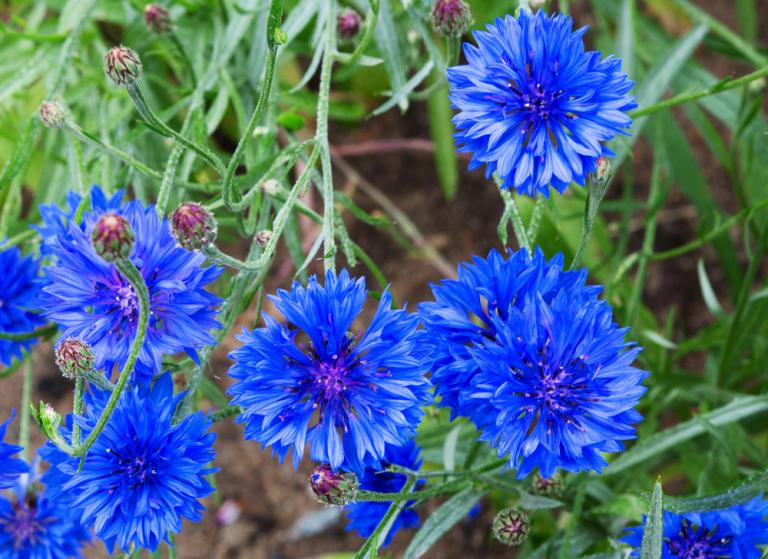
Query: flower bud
(270, 187)
(53, 114)
(157, 18)
(547, 486)
(348, 24)
(536, 4)
(511, 527)
(112, 237)
(194, 227)
(262, 237)
(333, 488)
(122, 65)
(451, 18)
(74, 357)
(602, 174)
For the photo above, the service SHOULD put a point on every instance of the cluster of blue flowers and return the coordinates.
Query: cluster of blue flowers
(523, 348)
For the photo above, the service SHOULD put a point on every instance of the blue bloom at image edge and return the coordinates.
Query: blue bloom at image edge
(734, 532)
(20, 285)
(143, 475)
(92, 301)
(313, 380)
(10, 466)
(530, 354)
(364, 517)
(35, 527)
(534, 106)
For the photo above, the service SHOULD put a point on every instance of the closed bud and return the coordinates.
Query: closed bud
(348, 24)
(333, 488)
(53, 114)
(270, 187)
(547, 486)
(451, 18)
(603, 173)
(262, 237)
(74, 357)
(157, 18)
(194, 227)
(112, 237)
(511, 527)
(122, 65)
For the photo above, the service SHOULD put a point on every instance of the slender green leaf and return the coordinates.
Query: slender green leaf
(710, 299)
(653, 531)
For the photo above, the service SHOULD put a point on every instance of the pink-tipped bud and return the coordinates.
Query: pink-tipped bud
(333, 488)
(74, 357)
(112, 237)
(451, 18)
(194, 227)
(262, 237)
(157, 18)
(548, 486)
(348, 24)
(122, 65)
(511, 527)
(53, 114)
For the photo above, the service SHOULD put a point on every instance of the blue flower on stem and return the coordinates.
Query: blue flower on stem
(364, 517)
(536, 107)
(530, 354)
(10, 467)
(347, 395)
(734, 532)
(143, 474)
(20, 286)
(56, 221)
(92, 301)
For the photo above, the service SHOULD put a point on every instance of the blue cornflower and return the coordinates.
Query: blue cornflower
(346, 395)
(10, 467)
(56, 221)
(734, 532)
(35, 527)
(92, 301)
(364, 517)
(530, 354)
(143, 475)
(534, 106)
(20, 286)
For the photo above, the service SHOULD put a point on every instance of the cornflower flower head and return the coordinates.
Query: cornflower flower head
(733, 532)
(534, 106)
(35, 527)
(91, 300)
(529, 353)
(312, 381)
(20, 290)
(10, 466)
(143, 474)
(364, 517)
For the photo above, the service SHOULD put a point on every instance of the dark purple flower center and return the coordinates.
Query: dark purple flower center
(127, 301)
(25, 527)
(698, 543)
(133, 471)
(329, 379)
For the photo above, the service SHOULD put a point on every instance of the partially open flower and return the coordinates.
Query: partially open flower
(511, 527)
(194, 227)
(74, 357)
(122, 65)
(333, 488)
(112, 237)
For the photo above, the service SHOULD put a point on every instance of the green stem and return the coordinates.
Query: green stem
(164, 194)
(693, 95)
(214, 253)
(597, 189)
(134, 277)
(321, 135)
(229, 193)
(472, 454)
(26, 397)
(512, 213)
(42, 332)
(163, 129)
(370, 25)
(77, 409)
(225, 413)
(385, 525)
